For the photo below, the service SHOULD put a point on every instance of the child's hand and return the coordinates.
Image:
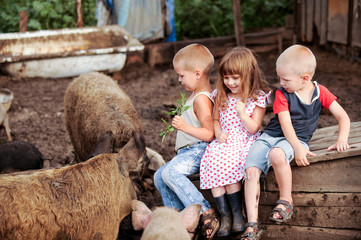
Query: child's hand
(300, 156)
(178, 122)
(222, 138)
(240, 108)
(339, 146)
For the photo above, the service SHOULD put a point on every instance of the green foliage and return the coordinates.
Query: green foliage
(261, 13)
(42, 15)
(213, 18)
(203, 18)
(180, 108)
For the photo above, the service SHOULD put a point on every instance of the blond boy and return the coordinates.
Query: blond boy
(193, 65)
(297, 107)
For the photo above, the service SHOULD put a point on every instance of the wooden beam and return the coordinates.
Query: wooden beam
(302, 199)
(79, 14)
(238, 23)
(162, 53)
(322, 217)
(282, 232)
(339, 175)
(23, 22)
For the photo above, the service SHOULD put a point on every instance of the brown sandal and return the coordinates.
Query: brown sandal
(213, 224)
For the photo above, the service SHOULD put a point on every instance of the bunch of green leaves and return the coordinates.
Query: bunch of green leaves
(44, 15)
(180, 108)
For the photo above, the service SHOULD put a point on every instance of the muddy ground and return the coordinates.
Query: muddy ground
(37, 112)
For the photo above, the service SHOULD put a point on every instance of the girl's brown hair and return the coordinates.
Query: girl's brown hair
(241, 61)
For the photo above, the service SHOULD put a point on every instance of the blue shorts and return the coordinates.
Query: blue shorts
(259, 151)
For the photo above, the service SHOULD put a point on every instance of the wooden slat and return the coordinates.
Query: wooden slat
(338, 26)
(302, 199)
(325, 137)
(309, 19)
(281, 232)
(356, 24)
(323, 25)
(341, 175)
(161, 53)
(325, 217)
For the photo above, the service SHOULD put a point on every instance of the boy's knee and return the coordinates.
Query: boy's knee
(166, 178)
(157, 178)
(253, 173)
(277, 156)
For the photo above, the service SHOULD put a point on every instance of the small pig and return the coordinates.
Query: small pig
(165, 223)
(19, 156)
(6, 96)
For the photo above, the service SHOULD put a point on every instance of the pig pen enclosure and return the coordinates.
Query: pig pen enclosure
(37, 111)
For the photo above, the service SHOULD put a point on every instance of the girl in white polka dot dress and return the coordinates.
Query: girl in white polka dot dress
(241, 98)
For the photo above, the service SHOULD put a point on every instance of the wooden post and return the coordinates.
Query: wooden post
(79, 14)
(23, 22)
(238, 23)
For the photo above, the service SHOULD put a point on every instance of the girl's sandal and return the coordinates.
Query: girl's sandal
(255, 234)
(285, 213)
(213, 224)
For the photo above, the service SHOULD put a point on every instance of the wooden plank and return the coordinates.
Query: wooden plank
(325, 217)
(341, 175)
(325, 137)
(324, 155)
(302, 199)
(303, 20)
(317, 16)
(161, 53)
(325, 140)
(310, 4)
(323, 24)
(282, 232)
(23, 21)
(338, 21)
(238, 28)
(356, 24)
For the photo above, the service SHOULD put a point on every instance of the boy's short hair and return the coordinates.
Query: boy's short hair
(299, 58)
(195, 56)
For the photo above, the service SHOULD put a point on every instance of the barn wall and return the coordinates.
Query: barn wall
(332, 23)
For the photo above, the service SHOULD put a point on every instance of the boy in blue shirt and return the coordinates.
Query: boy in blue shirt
(297, 107)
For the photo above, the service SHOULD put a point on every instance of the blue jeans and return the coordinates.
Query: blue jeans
(171, 180)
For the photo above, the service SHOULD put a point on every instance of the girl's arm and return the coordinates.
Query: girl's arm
(221, 136)
(202, 107)
(253, 123)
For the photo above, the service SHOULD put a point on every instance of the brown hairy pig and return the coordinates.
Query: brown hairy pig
(164, 222)
(101, 118)
(86, 200)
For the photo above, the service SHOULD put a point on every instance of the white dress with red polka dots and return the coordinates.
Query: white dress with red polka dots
(223, 164)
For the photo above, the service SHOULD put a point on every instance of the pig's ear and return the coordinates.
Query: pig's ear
(141, 215)
(190, 216)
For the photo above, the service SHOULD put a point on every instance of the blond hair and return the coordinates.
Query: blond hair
(240, 61)
(299, 59)
(195, 56)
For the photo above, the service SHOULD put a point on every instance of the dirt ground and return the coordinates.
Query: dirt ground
(37, 112)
